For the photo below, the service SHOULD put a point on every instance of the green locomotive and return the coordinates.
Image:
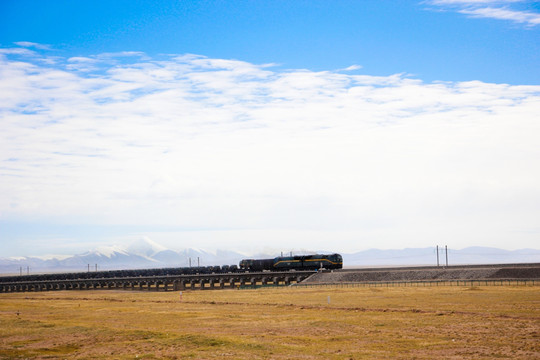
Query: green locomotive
(299, 262)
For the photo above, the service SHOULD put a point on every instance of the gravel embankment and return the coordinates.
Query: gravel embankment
(425, 274)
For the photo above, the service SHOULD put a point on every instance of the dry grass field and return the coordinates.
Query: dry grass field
(279, 323)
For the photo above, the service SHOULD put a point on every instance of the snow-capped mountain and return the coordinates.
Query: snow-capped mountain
(142, 253)
(145, 247)
(108, 257)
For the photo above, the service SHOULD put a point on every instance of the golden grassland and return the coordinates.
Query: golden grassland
(274, 323)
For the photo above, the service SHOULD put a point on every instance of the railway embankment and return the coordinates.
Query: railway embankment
(489, 272)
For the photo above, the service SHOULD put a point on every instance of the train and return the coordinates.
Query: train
(299, 262)
(302, 262)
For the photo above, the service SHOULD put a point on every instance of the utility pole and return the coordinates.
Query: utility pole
(28, 270)
(96, 267)
(21, 270)
(446, 248)
(88, 267)
(437, 255)
(189, 262)
(198, 262)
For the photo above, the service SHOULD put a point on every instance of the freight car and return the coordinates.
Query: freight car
(300, 262)
(122, 273)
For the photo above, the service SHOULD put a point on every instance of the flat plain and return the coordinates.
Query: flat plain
(446, 322)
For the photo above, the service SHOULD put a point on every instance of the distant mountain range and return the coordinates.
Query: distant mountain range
(428, 256)
(146, 253)
(142, 254)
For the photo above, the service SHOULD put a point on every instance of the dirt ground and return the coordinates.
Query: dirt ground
(280, 323)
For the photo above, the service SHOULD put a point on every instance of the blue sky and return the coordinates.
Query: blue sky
(433, 40)
(256, 125)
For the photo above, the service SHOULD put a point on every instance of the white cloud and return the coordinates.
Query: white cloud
(34, 45)
(353, 67)
(472, 2)
(16, 51)
(529, 18)
(491, 9)
(242, 150)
